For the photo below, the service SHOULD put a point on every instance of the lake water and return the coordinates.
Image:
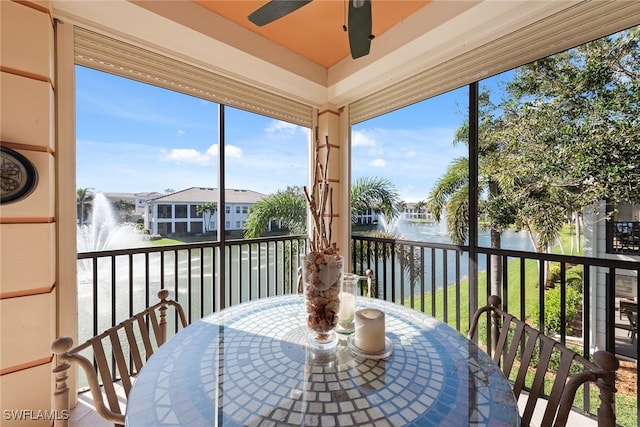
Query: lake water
(437, 233)
(435, 266)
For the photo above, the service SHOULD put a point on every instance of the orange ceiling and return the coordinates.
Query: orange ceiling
(315, 30)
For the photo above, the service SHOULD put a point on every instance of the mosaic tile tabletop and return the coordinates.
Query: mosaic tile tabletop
(249, 366)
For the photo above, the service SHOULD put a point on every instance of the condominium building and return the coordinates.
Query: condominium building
(178, 213)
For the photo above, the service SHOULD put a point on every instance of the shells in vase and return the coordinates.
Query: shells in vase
(322, 274)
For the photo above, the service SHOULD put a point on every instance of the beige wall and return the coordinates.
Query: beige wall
(28, 226)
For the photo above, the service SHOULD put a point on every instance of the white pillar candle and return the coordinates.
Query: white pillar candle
(370, 334)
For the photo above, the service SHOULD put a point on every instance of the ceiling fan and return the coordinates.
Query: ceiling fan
(359, 20)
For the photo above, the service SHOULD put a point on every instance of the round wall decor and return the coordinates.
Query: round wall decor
(18, 176)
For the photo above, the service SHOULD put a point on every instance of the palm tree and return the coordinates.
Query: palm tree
(289, 206)
(419, 206)
(84, 201)
(377, 193)
(206, 210)
(451, 191)
(126, 207)
(286, 206)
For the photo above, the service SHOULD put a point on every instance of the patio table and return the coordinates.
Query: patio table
(248, 365)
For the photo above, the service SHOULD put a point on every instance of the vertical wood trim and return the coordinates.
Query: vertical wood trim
(344, 239)
(65, 194)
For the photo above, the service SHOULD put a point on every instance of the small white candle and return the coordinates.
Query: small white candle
(370, 333)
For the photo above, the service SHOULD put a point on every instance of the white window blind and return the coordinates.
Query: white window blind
(117, 57)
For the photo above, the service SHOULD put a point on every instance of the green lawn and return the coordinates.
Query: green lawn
(513, 296)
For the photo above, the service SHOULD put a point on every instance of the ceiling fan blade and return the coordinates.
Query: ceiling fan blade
(360, 27)
(275, 9)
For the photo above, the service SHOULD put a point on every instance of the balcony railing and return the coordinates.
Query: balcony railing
(626, 237)
(430, 277)
(113, 285)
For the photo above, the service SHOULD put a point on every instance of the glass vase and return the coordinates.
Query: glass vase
(348, 293)
(322, 281)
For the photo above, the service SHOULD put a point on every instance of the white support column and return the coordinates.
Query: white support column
(332, 128)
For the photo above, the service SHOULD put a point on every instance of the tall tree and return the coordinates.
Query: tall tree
(125, 208)
(420, 206)
(377, 193)
(451, 192)
(572, 123)
(286, 206)
(206, 210)
(289, 206)
(84, 201)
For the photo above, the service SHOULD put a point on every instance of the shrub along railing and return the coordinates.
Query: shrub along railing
(429, 277)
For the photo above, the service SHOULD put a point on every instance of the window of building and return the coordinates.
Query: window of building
(194, 211)
(237, 209)
(181, 211)
(196, 227)
(164, 228)
(164, 211)
(245, 209)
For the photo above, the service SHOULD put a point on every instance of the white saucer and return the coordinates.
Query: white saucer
(357, 351)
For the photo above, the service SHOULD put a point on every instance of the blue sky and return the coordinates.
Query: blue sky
(134, 137)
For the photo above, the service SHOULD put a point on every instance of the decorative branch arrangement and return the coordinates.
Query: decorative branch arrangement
(320, 196)
(322, 267)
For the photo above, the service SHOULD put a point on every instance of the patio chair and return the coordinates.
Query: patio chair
(632, 315)
(519, 347)
(126, 346)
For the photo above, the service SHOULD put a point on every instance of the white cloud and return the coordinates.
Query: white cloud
(186, 155)
(213, 150)
(231, 151)
(182, 132)
(193, 156)
(280, 126)
(378, 163)
(410, 154)
(359, 139)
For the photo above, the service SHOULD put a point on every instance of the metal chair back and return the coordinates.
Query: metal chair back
(125, 347)
(520, 349)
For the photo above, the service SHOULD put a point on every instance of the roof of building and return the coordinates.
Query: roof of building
(206, 195)
(131, 195)
(117, 196)
(153, 194)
